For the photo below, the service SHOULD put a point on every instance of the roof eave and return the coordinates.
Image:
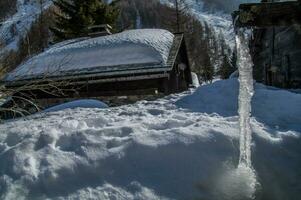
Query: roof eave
(92, 76)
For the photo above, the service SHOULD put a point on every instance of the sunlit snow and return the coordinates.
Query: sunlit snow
(179, 147)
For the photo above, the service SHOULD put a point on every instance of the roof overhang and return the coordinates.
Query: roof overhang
(125, 75)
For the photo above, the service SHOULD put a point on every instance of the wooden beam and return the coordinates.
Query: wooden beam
(100, 30)
(268, 14)
(121, 79)
(92, 76)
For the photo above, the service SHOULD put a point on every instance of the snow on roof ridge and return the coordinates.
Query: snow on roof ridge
(151, 37)
(141, 46)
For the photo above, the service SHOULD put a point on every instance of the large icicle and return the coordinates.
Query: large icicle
(246, 91)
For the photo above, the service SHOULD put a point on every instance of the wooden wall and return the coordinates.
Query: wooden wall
(278, 59)
(276, 54)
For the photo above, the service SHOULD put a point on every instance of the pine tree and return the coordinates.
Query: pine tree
(226, 69)
(228, 64)
(77, 15)
(207, 67)
(7, 8)
(176, 18)
(234, 59)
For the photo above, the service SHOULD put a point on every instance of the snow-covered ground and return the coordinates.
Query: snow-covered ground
(183, 146)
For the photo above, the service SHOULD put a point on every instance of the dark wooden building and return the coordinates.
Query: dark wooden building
(276, 42)
(133, 64)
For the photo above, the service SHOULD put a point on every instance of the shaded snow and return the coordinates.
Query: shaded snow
(180, 147)
(110, 192)
(271, 106)
(148, 47)
(83, 103)
(195, 80)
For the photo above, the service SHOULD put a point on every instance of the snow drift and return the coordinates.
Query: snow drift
(271, 106)
(82, 103)
(181, 147)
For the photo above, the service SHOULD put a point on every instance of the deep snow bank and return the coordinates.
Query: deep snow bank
(152, 150)
(271, 106)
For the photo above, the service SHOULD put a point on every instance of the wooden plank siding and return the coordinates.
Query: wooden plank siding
(276, 53)
(269, 14)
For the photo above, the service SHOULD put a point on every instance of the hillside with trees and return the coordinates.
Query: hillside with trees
(7, 8)
(208, 51)
(74, 17)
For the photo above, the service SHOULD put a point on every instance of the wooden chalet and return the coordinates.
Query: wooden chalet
(276, 42)
(117, 68)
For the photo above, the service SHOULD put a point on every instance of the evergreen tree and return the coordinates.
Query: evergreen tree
(226, 68)
(7, 8)
(76, 16)
(176, 18)
(207, 68)
(207, 64)
(234, 59)
(228, 65)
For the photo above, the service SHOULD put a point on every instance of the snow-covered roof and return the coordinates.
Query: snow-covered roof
(122, 51)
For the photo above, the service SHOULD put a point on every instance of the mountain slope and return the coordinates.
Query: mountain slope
(214, 12)
(217, 13)
(16, 45)
(16, 26)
